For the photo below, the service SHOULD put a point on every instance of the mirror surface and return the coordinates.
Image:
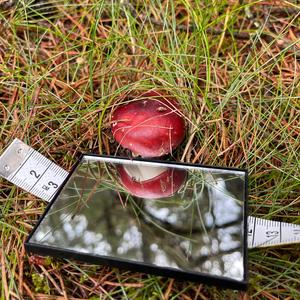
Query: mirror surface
(182, 217)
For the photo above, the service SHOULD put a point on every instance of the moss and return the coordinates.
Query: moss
(83, 278)
(40, 283)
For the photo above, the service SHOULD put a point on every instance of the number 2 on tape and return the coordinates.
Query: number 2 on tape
(30, 170)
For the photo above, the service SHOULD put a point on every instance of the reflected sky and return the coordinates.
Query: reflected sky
(194, 221)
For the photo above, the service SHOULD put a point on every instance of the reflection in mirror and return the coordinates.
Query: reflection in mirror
(150, 182)
(175, 216)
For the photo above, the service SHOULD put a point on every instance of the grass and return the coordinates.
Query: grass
(233, 65)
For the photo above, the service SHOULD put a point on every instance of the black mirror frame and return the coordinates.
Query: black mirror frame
(33, 248)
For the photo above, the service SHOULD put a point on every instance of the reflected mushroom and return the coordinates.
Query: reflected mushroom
(150, 126)
(151, 182)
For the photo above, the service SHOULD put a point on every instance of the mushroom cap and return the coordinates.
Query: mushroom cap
(150, 125)
(163, 184)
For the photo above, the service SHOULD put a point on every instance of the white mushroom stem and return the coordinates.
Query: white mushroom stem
(143, 173)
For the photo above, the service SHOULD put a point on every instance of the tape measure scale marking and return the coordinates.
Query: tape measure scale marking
(31, 171)
(262, 233)
(36, 174)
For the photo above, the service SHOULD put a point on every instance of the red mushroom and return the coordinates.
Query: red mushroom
(151, 182)
(151, 125)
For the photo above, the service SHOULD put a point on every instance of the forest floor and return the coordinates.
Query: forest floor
(233, 65)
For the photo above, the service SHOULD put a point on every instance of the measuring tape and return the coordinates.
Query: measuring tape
(31, 171)
(36, 174)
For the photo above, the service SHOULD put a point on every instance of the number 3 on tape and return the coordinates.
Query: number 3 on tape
(30, 170)
(33, 172)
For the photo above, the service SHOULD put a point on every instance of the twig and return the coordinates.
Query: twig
(198, 293)
(51, 279)
(168, 291)
(30, 294)
(3, 274)
(133, 285)
(49, 297)
(21, 268)
(62, 285)
(192, 135)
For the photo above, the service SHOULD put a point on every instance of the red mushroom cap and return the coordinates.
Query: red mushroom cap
(150, 125)
(165, 184)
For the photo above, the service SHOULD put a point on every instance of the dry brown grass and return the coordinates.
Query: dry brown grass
(235, 69)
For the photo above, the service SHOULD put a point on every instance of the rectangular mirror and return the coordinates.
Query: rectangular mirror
(170, 219)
